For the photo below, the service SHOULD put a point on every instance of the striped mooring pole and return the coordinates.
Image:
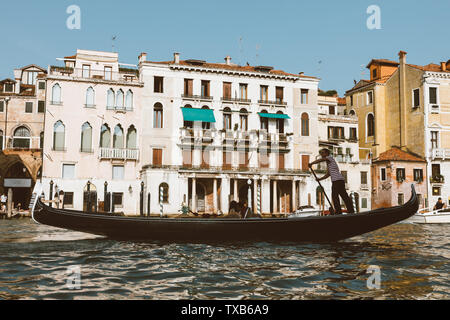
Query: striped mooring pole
(161, 209)
(258, 200)
(354, 201)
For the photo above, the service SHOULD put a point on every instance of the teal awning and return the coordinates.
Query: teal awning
(273, 115)
(195, 114)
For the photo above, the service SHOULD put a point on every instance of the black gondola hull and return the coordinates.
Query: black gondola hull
(306, 229)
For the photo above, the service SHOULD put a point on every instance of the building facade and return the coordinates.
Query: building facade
(407, 106)
(338, 132)
(22, 109)
(217, 130)
(92, 132)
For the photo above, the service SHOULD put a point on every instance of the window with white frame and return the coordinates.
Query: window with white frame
(90, 98)
(415, 98)
(370, 97)
(68, 171)
(383, 176)
(118, 172)
(56, 94)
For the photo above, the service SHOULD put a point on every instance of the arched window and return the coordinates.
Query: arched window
(110, 99)
(86, 137)
(227, 119)
(59, 132)
(131, 137)
(1, 140)
(129, 100)
(56, 94)
(370, 125)
(280, 123)
(188, 124)
(118, 137)
(90, 98)
(22, 138)
(105, 137)
(264, 121)
(305, 125)
(352, 112)
(158, 115)
(165, 192)
(243, 119)
(119, 99)
(41, 140)
(206, 125)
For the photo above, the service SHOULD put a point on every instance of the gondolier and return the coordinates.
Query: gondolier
(338, 182)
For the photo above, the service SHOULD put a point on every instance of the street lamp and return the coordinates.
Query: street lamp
(249, 194)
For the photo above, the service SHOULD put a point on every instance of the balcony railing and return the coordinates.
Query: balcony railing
(119, 154)
(236, 100)
(128, 75)
(196, 97)
(441, 154)
(119, 109)
(277, 102)
(437, 179)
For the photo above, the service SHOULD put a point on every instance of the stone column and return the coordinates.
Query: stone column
(255, 195)
(9, 205)
(275, 197)
(235, 191)
(194, 195)
(224, 195)
(214, 195)
(294, 196)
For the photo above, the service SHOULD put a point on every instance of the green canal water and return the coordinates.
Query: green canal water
(413, 261)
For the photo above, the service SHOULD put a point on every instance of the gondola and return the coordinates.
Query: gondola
(311, 229)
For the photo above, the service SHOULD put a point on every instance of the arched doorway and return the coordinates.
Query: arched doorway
(18, 178)
(90, 198)
(201, 195)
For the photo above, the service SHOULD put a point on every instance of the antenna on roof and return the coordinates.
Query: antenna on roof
(113, 39)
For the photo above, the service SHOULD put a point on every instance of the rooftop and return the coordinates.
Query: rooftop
(396, 154)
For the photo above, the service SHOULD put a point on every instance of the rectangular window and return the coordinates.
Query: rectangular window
(187, 158)
(158, 85)
(353, 135)
(418, 175)
(416, 98)
(280, 161)
(226, 160)
(243, 90)
(364, 203)
(68, 199)
(363, 177)
(227, 90)
(108, 73)
(436, 191)
(117, 199)
(279, 94)
(374, 73)
(41, 85)
(205, 88)
(227, 121)
(68, 171)
(118, 172)
(157, 157)
(305, 162)
(86, 71)
(2, 106)
(31, 77)
(435, 170)
(28, 107)
(331, 110)
(264, 160)
(370, 97)
(264, 93)
(351, 100)
(401, 199)
(41, 106)
(433, 95)
(383, 176)
(434, 139)
(243, 160)
(400, 174)
(188, 85)
(9, 87)
(304, 96)
(205, 159)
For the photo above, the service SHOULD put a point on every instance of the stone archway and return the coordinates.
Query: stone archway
(19, 179)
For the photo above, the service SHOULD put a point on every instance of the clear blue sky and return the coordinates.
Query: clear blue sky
(328, 39)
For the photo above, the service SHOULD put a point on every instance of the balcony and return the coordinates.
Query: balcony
(437, 179)
(118, 109)
(119, 154)
(236, 100)
(196, 97)
(440, 154)
(277, 102)
(124, 74)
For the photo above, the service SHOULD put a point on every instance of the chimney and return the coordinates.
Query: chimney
(443, 66)
(176, 57)
(142, 57)
(228, 60)
(301, 73)
(403, 108)
(402, 57)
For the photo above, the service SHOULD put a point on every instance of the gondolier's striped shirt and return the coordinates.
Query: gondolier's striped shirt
(333, 169)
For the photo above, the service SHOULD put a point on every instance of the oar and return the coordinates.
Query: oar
(332, 211)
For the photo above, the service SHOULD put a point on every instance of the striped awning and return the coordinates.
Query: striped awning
(196, 114)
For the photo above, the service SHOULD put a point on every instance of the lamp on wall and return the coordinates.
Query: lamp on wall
(130, 189)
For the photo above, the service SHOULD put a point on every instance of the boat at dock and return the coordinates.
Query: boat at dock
(329, 228)
(427, 216)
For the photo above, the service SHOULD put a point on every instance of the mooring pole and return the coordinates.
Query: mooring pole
(141, 200)
(161, 209)
(51, 193)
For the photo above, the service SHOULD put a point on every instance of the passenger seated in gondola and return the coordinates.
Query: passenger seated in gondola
(247, 212)
(234, 211)
(439, 204)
